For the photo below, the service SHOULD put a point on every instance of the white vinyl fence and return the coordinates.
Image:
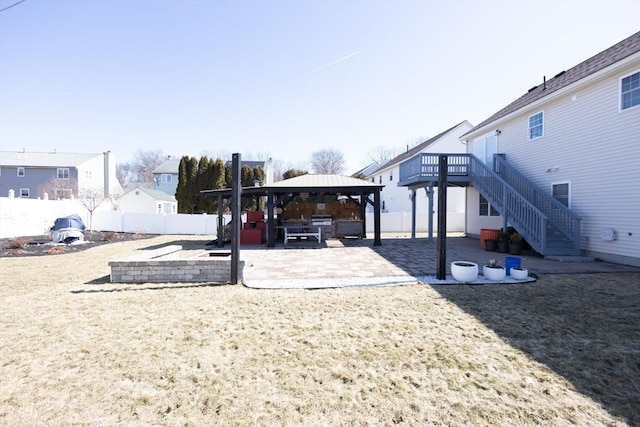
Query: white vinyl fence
(34, 217)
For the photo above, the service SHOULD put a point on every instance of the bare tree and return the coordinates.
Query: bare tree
(91, 198)
(144, 163)
(59, 188)
(381, 155)
(328, 161)
(124, 173)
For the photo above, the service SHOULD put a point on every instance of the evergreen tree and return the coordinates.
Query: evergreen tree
(201, 184)
(246, 180)
(218, 181)
(228, 175)
(181, 189)
(292, 173)
(192, 184)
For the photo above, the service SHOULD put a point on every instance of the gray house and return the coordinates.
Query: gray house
(165, 176)
(59, 175)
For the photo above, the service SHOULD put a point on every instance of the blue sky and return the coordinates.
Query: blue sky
(278, 78)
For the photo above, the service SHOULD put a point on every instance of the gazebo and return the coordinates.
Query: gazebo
(283, 192)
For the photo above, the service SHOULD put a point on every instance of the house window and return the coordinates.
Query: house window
(373, 179)
(24, 192)
(21, 171)
(63, 173)
(560, 192)
(485, 209)
(536, 125)
(88, 174)
(159, 207)
(380, 179)
(165, 178)
(630, 91)
(391, 176)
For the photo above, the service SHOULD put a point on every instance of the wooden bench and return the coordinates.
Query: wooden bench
(301, 231)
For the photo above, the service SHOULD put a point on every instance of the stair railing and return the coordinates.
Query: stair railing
(530, 221)
(561, 217)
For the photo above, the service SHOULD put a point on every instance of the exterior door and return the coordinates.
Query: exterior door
(485, 147)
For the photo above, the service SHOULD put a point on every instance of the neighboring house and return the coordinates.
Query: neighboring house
(398, 199)
(165, 176)
(367, 170)
(147, 200)
(60, 175)
(565, 171)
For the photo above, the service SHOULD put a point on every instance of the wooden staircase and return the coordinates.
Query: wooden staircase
(546, 224)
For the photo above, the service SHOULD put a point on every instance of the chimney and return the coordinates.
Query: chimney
(107, 172)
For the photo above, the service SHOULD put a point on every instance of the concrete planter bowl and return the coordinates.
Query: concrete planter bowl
(518, 273)
(494, 274)
(464, 271)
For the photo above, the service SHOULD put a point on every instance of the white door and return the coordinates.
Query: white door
(485, 147)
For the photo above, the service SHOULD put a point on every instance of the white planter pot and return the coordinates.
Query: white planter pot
(464, 271)
(494, 274)
(519, 273)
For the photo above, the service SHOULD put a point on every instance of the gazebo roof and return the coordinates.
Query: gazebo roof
(308, 183)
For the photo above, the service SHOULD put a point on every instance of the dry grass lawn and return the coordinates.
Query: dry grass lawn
(75, 350)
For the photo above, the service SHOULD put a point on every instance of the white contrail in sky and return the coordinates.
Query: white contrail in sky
(344, 58)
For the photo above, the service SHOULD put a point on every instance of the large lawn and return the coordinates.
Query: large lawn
(74, 350)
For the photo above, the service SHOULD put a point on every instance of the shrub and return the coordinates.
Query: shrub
(18, 243)
(108, 235)
(55, 250)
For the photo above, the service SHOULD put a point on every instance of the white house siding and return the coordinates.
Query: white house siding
(91, 174)
(596, 148)
(139, 201)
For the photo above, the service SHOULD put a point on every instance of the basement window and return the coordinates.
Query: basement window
(485, 208)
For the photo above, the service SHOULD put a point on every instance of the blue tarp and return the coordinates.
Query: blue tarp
(71, 221)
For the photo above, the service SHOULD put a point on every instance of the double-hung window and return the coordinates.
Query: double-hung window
(630, 91)
(21, 171)
(536, 125)
(63, 173)
(165, 178)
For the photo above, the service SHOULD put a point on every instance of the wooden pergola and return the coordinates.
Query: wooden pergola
(282, 192)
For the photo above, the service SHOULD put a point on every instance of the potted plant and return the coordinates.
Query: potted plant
(490, 245)
(494, 271)
(503, 242)
(515, 244)
(464, 271)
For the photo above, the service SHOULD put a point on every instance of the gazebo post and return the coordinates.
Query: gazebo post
(376, 218)
(220, 222)
(236, 219)
(271, 226)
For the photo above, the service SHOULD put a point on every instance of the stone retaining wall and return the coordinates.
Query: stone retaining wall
(161, 266)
